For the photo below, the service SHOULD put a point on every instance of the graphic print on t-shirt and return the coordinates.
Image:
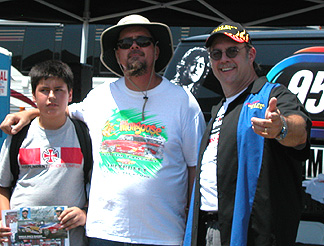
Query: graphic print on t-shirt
(211, 150)
(50, 157)
(132, 146)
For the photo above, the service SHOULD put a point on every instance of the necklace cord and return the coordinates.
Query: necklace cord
(151, 76)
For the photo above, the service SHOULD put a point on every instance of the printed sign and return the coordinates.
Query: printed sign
(5, 66)
(314, 165)
(4, 82)
(303, 74)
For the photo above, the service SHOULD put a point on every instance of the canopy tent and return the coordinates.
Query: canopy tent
(173, 13)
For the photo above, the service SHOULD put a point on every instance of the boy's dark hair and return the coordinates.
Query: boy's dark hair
(51, 68)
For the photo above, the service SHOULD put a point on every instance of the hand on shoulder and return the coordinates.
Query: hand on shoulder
(13, 123)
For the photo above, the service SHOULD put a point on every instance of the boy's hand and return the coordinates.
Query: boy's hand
(5, 233)
(72, 218)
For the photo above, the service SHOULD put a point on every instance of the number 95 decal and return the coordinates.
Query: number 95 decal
(303, 75)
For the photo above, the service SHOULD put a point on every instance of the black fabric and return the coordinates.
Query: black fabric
(86, 147)
(16, 142)
(204, 221)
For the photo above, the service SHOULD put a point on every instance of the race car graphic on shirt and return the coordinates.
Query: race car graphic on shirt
(132, 146)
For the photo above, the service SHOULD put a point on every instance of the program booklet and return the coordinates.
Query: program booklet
(36, 226)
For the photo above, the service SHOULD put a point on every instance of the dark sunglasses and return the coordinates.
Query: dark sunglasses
(141, 41)
(230, 52)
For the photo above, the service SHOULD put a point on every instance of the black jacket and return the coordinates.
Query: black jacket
(277, 205)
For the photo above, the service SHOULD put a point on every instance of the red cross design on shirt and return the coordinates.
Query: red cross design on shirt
(50, 154)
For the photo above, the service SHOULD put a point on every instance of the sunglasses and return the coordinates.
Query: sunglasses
(141, 41)
(230, 52)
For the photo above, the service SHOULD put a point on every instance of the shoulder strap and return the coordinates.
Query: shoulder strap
(16, 142)
(86, 147)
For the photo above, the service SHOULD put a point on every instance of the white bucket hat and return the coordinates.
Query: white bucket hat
(159, 31)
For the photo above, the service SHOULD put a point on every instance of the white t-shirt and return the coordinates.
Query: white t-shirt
(208, 174)
(139, 182)
(51, 171)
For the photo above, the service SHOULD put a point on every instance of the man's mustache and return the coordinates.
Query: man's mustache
(135, 52)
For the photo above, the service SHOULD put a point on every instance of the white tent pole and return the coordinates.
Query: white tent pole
(85, 32)
(85, 27)
(84, 42)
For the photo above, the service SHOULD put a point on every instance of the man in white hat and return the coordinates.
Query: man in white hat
(58, 212)
(24, 213)
(145, 133)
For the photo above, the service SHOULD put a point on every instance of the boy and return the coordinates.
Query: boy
(50, 158)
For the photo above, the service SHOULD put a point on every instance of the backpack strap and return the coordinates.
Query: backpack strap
(86, 148)
(16, 142)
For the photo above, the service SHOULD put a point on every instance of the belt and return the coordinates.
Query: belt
(209, 215)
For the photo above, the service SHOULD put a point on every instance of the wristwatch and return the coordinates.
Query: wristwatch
(284, 129)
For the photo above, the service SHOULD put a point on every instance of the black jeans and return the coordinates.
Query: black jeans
(208, 229)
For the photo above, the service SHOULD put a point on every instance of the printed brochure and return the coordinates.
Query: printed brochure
(35, 226)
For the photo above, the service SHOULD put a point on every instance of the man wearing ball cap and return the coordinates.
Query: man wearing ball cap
(233, 30)
(24, 213)
(251, 154)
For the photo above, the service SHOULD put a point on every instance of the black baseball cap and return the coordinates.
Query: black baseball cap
(233, 30)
